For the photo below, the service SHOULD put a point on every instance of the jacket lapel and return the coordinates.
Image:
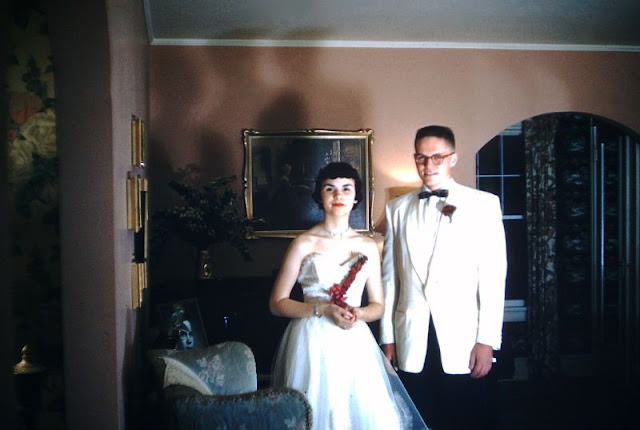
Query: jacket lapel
(446, 231)
(415, 243)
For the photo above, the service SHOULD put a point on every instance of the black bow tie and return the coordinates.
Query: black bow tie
(437, 193)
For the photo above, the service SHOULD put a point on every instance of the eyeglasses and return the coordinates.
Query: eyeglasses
(436, 159)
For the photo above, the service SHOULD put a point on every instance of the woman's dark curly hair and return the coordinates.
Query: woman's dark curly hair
(337, 170)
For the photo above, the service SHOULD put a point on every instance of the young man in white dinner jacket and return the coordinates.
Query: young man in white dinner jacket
(444, 269)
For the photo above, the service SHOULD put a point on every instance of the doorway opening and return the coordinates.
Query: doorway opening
(569, 184)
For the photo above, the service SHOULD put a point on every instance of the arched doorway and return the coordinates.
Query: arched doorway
(570, 187)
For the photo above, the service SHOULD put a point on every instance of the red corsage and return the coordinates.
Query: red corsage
(338, 292)
(448, 210)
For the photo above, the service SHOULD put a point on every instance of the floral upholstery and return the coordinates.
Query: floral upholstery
(225, 368)
(281, 408)
(216, 388)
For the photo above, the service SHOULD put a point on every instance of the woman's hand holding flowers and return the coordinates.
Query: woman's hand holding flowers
(344, 318)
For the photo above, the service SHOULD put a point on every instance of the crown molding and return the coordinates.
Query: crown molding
(271, 43)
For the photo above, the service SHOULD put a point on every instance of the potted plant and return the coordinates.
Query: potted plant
(208, 214)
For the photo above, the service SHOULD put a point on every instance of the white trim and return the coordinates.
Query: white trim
(148, 22)
(512, 217)
(271, 43)
(515, 311)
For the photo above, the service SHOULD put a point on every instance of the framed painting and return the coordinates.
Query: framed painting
(280, 169)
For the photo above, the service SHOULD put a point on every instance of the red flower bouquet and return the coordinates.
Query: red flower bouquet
(338, 292)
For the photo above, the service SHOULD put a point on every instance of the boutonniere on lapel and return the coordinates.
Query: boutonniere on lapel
(448, 210)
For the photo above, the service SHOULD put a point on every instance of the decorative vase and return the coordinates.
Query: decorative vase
(205, 269)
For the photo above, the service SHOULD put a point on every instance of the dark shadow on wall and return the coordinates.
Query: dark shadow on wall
(313, 103)
(188, 123)
(188, 127)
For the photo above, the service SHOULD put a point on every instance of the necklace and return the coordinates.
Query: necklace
(335, 234)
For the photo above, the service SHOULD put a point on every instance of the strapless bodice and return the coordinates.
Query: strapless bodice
(319, 272)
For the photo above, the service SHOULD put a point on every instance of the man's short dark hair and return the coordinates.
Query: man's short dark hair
(337, 170)
(436, 131)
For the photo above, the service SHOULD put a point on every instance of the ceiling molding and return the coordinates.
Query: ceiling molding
(269, 43)
(552, 25)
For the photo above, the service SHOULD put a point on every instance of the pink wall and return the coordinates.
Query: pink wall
(202, 97)
(99, 50)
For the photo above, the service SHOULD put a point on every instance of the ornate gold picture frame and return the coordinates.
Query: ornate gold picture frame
(279, 176)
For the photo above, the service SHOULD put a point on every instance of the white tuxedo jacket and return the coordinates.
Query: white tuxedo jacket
(463, 291)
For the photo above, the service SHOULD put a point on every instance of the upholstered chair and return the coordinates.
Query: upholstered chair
(216, 388)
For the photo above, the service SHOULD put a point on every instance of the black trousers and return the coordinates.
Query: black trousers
(451, 402)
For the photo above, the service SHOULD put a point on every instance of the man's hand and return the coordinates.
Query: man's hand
(481, 360)
(389, 350)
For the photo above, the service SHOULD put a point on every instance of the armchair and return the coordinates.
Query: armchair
(216, 388)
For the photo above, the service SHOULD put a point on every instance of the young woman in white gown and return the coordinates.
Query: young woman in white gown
(328, 351)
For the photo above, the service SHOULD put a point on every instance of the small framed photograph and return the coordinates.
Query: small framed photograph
(180, 325)
(279, 176)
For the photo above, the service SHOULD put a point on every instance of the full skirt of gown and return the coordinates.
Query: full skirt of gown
(346, 378)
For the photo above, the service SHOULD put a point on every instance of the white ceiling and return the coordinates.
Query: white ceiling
(518, 24)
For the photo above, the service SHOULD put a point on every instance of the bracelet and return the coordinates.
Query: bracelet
(315, 310)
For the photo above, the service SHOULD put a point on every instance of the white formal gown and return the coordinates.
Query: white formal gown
(343, 373)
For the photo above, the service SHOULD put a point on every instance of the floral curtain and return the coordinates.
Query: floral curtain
(541, 239)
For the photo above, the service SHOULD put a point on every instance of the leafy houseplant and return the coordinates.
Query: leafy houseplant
(208, 214)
